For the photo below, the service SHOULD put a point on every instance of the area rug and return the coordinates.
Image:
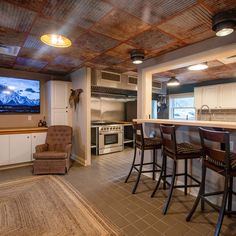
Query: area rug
(48, 205)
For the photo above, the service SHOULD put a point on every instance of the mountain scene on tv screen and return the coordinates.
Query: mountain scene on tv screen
(19, 95)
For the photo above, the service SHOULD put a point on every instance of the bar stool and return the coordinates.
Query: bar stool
(144, 144)
(181, 151)
(222, 162)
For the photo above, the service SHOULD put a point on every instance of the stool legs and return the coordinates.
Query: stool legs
(230, 195)
(186, 176)
(127, 178)
(154, 165)
(139, 173)
(171, 189)
(199, 196)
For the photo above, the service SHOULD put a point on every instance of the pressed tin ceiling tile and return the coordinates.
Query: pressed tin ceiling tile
(79, 12)
(216, 6)
(16, 18)
(34, 5)
(152, 39)
(7, 61)
(66, 61)
(34, 42)
(95, 42)
(121, 51)
(30, 62)
(192, 25)
(11, 37)
(106, 60)
(120, 25)
(153, 11)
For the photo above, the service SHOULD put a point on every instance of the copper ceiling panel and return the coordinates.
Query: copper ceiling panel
(35, 5)
(11, 37)
(34, 42)
(153, 11)
(7, 61)
(58, 70)
(106, 60)
(191, 26)
(66, 61)
(216, 6)
(30, 62)
(94, 65)
(45, 26)
(121, 51)
(152, 39)
(120, 25)
(16, 18)
(79, 12)
(95, 42)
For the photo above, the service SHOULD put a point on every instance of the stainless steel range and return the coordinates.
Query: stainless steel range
(110, 137)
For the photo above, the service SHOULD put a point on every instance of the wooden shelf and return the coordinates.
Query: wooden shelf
(24, 130)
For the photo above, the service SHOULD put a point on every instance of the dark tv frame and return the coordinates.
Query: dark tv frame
(23, 113)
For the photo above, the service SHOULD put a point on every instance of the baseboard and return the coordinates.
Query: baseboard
(79, 160)
(13, 166)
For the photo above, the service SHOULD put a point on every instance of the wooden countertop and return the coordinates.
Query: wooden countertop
(23, 130)
(198, 123)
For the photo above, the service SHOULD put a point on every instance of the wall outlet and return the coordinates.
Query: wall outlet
(29, 117)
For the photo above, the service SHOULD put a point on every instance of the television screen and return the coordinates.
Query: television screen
(19, 95)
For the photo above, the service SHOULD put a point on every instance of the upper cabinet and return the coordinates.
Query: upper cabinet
(216, 97)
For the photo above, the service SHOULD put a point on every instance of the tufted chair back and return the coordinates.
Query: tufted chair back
(58, 137)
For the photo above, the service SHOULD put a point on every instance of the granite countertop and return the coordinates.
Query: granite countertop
(198, 123)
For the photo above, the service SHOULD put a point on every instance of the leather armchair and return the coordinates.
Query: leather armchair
(53, 157)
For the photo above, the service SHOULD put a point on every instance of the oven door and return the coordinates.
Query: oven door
(110, 142)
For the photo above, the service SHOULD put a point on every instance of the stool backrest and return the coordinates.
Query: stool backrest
(138, 133)
(215, 147)
(168, 138)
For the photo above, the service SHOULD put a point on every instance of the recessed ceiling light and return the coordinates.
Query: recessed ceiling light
(56, 40)
(137, 56)
(173, 82)
(224, 23)
(201, 66)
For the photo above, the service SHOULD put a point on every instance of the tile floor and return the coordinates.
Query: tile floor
(103, 185)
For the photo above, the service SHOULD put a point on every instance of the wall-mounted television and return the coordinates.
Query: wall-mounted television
(19, 95)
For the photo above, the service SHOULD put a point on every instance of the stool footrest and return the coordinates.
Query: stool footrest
(146, 171)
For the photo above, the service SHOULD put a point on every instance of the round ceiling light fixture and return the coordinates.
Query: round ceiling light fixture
(137, 56)
(56, 40)
(200, 66)
(173, 82)
(224, 23)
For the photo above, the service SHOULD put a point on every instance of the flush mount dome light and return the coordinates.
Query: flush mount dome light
(173, 82)
(137, 56)
(224, 23)
(200, 66)
(56, 40)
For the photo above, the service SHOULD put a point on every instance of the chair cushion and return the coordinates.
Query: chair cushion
(150, 142)
(187, 148)
(49, 155)
(221, 164)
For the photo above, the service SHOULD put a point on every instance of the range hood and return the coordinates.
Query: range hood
(105, 79)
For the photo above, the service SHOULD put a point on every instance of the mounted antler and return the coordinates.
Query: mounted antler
(74, 97)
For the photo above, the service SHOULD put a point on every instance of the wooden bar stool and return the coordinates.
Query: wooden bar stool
(181, 151)
(222, 162)
(144, 144)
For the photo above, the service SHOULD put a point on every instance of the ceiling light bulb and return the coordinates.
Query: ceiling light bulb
(53, 39)
(224, 32)
(56, 40)
(137, 62)
(201, 66)
(173, 82)
(137, 56)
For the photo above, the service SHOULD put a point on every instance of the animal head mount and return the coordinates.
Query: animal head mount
(74, 97)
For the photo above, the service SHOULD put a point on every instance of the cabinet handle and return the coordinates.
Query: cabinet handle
(27, 136)
(34, 136)
(66, 111)
(66, 107)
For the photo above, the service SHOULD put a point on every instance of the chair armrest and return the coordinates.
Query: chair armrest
(68, 149)
(41, 147)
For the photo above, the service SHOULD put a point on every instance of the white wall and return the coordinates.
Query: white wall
(81, 117)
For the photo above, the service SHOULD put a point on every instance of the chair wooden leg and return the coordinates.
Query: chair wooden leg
(154, 164)
(127, 178)
(139, 173)
(222, 209)
(164, 169)
(230, 195)
(200, 192)
(186, 176)
(159, 179)
(171, 189)
(203, 190)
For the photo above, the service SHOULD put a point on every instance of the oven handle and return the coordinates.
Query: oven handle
(113, 132)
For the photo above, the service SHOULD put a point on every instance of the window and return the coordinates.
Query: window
(182, 107)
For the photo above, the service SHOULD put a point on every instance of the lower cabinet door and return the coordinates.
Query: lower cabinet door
(20, 148)
(37, 138)
(5, 149)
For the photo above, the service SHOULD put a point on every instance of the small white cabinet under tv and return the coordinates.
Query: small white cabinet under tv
(59, 111)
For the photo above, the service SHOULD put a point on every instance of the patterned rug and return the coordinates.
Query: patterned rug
(47, 205)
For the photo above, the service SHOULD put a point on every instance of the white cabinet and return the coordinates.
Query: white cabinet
(5, 149)
(227, 98)
(59, 111)
(20, 148)
(36, 139)
(216, 97)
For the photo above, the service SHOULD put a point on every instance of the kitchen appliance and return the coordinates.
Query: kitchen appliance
(110, 136)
